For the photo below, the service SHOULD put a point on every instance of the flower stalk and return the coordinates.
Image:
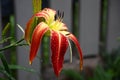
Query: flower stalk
(37, 5)
(17, 43)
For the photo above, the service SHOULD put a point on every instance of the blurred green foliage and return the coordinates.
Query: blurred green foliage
(8, 68)
(72, 75)
(109, 69)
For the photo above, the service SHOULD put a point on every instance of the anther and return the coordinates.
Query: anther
(59, 16)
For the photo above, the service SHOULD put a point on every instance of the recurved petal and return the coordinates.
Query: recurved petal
(59, 44)
(47, 13)
(74, 39)
(38, 33)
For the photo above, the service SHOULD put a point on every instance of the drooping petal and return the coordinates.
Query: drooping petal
(38, 33)
(74, 39)
(59, 44)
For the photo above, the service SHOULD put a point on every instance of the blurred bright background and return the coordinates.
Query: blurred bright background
(96, 23)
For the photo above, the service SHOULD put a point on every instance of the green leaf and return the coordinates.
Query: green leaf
(14, 44)
(118, 38)
(6, 74)
(2, 79)
(5, 40)
(101, 74)
(72, 75)
(4, 62)
(22, 68)
(5, 30)
(6, 70)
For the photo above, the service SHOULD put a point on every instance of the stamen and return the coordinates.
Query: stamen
(59, 16)
(70, 51)
(56, 16)
(62, 15)
(63, 30)
(58, 12)
(68, 34)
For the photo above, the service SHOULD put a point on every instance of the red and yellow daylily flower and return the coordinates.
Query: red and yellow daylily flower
(51, 25)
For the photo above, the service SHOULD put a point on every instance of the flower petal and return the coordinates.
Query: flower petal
(48, 14)
(28, 30)
(38, 33)
(59, 44)
(74, 39)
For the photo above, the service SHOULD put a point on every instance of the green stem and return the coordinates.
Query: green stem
(7, 69)
(4, 62)
(17, 43)
(37, 5)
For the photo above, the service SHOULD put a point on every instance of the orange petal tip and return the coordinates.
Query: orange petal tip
(30, 62)
(81, 68)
